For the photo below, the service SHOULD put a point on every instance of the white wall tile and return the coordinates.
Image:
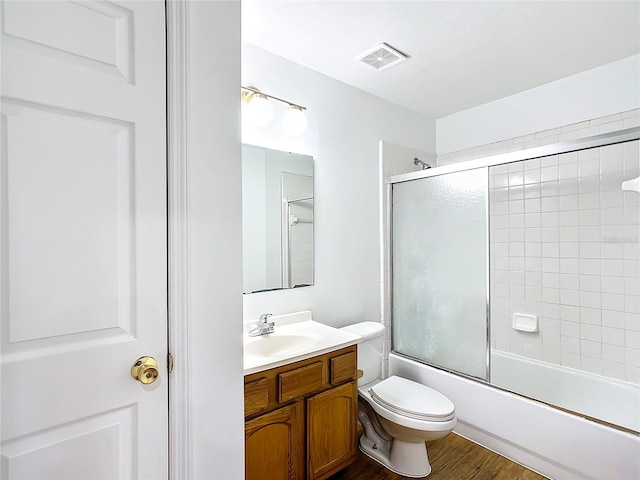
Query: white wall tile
(570, 313)
(590, 283)
(571, 360)
(632, 321)
(549, 189)
(632, 339)
(593, 333)
(612, 301)
(590, 266)
(632, 303)
(631, 268)
(560, 248)
(569, 265)
(590, 250)
(613, 336)
(589, 183)
(613, 250)
(550, 295)
(550, 250)
(590, 349)
(613, 353)
(570, 344)
(567, 170)
(533, 264)
(590, 233)
(569, 297)
(575, 217)
(613, 216)
(613, 370)
(611, 318)
(550, 310)
(549, 234)
(589, 217)
(631, 286)
(632, 374)
(613, 268)
(592, 316)
(550, 173)
(532, 191)
(632, 357)
(590, 300)
(589, 167)
(591, 365)
(568, 186)
(550, 265)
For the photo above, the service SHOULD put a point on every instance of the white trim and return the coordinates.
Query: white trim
(177, 206)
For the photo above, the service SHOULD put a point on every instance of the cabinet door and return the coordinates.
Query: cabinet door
(331, 430)
(274, 445)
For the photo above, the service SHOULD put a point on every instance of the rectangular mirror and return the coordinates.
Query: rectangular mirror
(277, 219)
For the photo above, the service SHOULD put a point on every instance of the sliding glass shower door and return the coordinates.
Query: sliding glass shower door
(439, 253)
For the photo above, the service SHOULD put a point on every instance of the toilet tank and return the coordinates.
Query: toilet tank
(369, 350)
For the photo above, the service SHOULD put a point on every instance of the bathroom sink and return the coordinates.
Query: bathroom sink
(274, 345)
(296, 337)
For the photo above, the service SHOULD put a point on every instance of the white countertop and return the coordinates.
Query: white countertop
(294, 339)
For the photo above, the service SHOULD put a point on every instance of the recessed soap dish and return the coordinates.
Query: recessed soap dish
(525, 323)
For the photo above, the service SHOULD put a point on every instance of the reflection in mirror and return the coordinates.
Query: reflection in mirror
(277, 219)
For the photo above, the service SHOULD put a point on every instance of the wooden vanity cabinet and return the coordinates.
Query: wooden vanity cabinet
(331, 430)
(274, 444)
(300, 419)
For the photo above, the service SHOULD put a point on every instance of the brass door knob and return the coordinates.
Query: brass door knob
(145, 370)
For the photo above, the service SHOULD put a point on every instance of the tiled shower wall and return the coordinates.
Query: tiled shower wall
(572, 333)
(564, 241)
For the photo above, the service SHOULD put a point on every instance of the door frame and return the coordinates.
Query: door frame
(204, 227)
(177, 308)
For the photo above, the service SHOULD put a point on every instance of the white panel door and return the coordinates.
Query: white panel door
(82, 239)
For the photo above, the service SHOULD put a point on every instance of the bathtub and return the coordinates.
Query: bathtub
(550, 441)
(613, 401)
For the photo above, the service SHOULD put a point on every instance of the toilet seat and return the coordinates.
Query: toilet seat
(407, 398)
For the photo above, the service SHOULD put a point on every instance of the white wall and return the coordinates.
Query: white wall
(216, 416)
(345, 127)
(602, 91)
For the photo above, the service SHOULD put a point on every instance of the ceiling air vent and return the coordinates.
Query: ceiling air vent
(381, 56)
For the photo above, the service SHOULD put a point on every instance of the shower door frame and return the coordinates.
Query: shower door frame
(602, 140)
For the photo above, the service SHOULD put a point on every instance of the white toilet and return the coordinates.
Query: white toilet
(398, 415)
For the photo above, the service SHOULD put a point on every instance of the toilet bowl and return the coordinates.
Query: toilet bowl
(398, 415)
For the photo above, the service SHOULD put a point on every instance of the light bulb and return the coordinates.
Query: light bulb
(294, 121)
(259, 110)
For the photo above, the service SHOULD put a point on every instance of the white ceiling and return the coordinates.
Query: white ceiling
(462, 53)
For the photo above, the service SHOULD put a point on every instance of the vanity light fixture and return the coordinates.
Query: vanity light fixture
(294, 121)
(257, 107)
(260, 112)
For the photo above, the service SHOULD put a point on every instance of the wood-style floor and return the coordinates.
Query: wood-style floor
(452, 458)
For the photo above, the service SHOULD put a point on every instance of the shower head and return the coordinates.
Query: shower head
(417, 161)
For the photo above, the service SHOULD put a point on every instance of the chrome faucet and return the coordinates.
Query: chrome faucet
(264, 326)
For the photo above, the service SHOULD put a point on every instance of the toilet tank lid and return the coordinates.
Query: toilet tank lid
(367, 330)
